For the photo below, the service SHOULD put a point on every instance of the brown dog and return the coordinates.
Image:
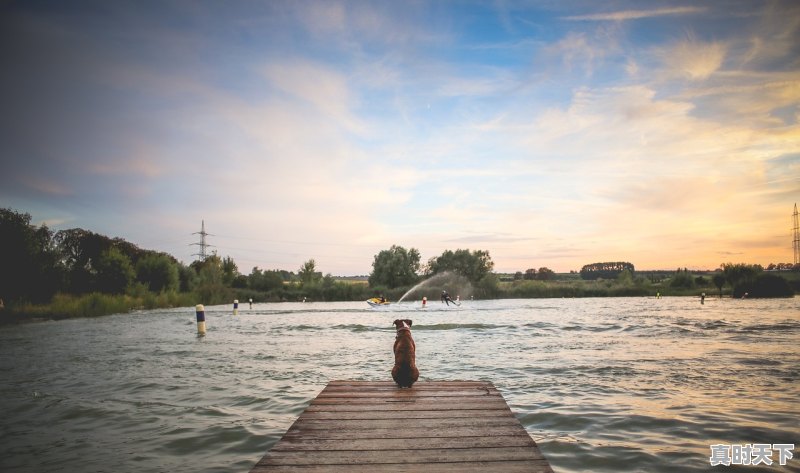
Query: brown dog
(405, 371)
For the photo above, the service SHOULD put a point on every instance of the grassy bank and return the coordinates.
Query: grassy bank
(64, 306)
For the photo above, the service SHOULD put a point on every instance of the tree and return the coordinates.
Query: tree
(719, 280)
(682, 279)
(264, 280)
(545, 274)
(740, 275)
(608, 270)
(229, 270)
(395, 267)
(113, 272)
(29, 265)
(80, 250)
(308, 272)
(209, 270)
(770, 285)
(472, 265)
(158, 271)
(530, 274)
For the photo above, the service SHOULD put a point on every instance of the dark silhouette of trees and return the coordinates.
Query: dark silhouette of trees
(473, 265)
(30, 269)
(605, 270)
(395, 267)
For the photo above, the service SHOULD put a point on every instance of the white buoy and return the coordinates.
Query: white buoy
(424, 301)
(236, 307)
(201, 319)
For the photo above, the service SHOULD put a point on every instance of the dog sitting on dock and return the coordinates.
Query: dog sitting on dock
(405, 371)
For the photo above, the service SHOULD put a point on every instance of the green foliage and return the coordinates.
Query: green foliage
(229, 271)
(488, 287)
(545, 274)
(158, 272)
(264, 280)
(605, 270)
(683, 279)
(395, 267)
(719, 280)
(308, 272)
(187, 278)
(740, 276)
(473, 265)
(768, 285)
(113, 272)
(29, 266)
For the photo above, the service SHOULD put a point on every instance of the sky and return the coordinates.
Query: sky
(548, 133)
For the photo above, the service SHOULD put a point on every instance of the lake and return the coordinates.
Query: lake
(608, 384)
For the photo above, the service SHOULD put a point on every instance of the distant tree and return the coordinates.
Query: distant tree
(113, 271)
(308, 272)
(187, 278)
(530, 274)
(740, 275)
(518, 276)
(625, 278)
(545, 274)
(229, 270)
(608, 270)
(158, 271)
(682, 279)
(472, 265)
(264, 280)
(770, 285)
(209, 271)
(30, 268)
(80, 250)
(719, 280)
(395, 267)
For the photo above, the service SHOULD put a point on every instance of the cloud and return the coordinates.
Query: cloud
(323, 88)
(626, 15)
(693, 59)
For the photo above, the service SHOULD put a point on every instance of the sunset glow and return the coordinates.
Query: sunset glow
(550, 134)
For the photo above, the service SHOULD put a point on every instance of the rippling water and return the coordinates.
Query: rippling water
(631, 384)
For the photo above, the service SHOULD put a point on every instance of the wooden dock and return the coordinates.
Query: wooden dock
(435, 426)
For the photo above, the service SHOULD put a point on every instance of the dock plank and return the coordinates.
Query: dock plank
(435, 426)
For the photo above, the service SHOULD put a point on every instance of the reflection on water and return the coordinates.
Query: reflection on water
(632, 384)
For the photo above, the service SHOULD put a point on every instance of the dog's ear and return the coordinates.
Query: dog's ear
(408, 321)
(398, 323)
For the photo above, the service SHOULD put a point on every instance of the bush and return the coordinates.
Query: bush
(765, 285)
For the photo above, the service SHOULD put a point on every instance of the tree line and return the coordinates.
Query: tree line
(37, 264)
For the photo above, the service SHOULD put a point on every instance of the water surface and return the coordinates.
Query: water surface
(616, 384)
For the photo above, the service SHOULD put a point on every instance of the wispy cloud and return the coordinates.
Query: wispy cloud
(625, 15)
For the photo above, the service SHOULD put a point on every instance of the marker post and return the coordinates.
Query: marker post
(200, 311)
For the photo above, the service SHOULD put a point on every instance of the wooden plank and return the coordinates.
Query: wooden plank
(404, 414)
(532, 466)
(399, 424)
(300, 443)
(435, 426)
(422, 404)
(407, 433)
(375, 457)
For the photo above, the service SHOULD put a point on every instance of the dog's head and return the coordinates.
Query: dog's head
(402, 324)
